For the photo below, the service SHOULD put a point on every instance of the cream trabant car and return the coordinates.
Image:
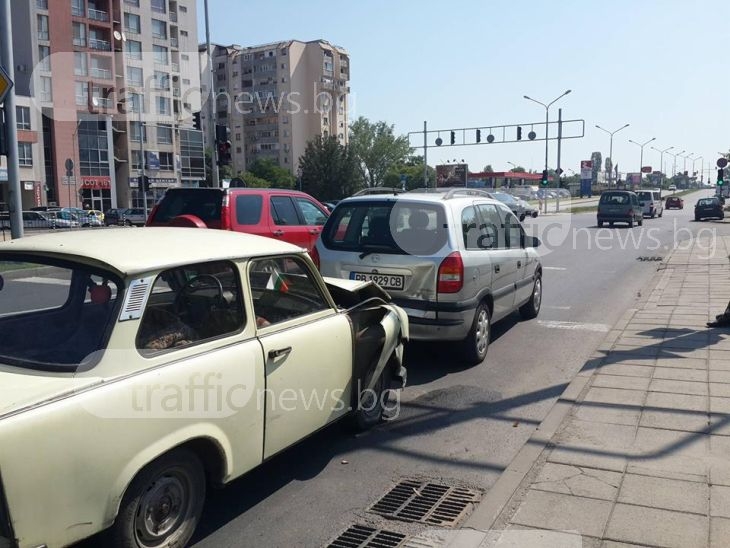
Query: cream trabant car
(137, 367)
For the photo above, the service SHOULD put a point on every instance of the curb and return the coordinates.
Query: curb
(499, 495)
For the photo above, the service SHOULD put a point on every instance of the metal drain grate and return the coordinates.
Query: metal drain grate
(361, 536)
(425, 502)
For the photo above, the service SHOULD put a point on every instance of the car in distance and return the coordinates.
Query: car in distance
(286, 215)
(456, 261)
(709, 208)
(619, 206)
(674, 202)
(132, 217)
(143, 370)
(652, 200)
(672, 188)
(112, 216)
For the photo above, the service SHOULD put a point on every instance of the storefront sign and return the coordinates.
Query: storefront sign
(155, 182)
(101, 182)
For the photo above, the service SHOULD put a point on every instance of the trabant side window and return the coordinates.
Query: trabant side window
(191, 304)
(283, 288)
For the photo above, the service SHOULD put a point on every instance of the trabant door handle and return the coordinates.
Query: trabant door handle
(273, 354)
(278, 233)
(496, 268)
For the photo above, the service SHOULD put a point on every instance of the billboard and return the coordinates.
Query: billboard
(633, 179)
(451, 175)
(586, 169)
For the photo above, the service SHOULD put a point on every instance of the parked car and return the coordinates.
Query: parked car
(619, 206)
(286, 215)
(62, 219)
(528, 209)
(652, 202)
(331, 205)
(674, 202)
(672, 188)
(85, 217)
(709, 208)
(456, 261)
(112, 216)
(515, 206)
(132, 217)
(134, 381)
(40, 220)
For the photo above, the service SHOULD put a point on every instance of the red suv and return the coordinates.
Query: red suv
(287, 215)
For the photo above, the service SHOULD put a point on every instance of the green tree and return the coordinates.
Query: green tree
(412, 168)
(329, 170)
(252, 181)
(596, 158)
(377, 149)
(269, 170)
(518, 169)
(488, 169)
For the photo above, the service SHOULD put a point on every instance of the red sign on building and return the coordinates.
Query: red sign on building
(101, 182)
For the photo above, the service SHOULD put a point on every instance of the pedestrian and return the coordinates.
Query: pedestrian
(721, 320)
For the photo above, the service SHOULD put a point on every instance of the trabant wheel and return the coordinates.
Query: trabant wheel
(371, 403)
(476, 344)
(531, 308)
(162, 505)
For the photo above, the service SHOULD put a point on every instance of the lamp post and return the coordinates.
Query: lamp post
(661, 159)
(701, 169)
(674, 168)
(642, 145)
(512, 164)
(547, 122)
(610, 148)
(684, 165)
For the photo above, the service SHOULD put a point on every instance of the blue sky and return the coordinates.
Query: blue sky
(659, 65)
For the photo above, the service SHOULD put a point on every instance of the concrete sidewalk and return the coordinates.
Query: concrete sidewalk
(637, 450)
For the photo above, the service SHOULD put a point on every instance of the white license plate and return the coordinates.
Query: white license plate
(386, 281)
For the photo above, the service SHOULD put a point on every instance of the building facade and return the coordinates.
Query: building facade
(277, 97)
(114, 81)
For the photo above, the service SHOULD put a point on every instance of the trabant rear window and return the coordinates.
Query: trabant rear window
(54, 315)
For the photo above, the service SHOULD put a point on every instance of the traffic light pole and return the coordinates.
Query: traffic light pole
(558, 170)
(211, 106)
(141, 186)
(7, 61)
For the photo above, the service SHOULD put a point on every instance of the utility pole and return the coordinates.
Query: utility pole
(211, 105)
(425, 153)
(141, 186)
(558, 170)
(8, 62)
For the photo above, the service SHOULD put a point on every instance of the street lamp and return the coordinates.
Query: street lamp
(512, 164)
(642, 145)
(684, 165)
(547, 121)
(674, 168)
(610, 149)
(701, 169)
(661, 158)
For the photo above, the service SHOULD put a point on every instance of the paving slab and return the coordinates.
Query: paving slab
(679, 387)
(561, 512)
(578, 481)
(627, 370)
(657, 527)
(676, 374)
(616, 381)
(719, 533)
(669, 494)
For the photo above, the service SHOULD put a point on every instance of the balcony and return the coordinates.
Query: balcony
(81, 100)
(77, 11)
(175, 67)
(100, 45)
(174, 42)
(100, 73)
(98, 15)
(46, 96)
(101, 102)
(173, 16)
(176, 92)
(80, 71)
(80, 42)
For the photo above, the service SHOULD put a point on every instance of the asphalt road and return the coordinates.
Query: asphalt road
(457, 424)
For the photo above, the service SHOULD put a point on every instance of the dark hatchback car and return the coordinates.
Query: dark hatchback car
(620, 206)
(674, 202)
(709, 208)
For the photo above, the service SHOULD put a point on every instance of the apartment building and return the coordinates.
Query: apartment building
(114, 81)
(277, 97)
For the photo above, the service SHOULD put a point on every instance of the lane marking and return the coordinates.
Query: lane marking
(47, 281)
(558, 307)
(553, 268)
(575, 326)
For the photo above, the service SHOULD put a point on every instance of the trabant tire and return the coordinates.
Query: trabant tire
(531, 308)
(476, 344)
(371, 403)
(162, 505)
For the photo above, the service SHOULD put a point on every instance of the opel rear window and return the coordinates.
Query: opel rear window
(387, 227)
(203, 203)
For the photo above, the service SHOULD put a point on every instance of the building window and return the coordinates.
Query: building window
(183, 33)
(163, 105)
(134, 50)
(135, 76)
(44, 54)
(160, 53)
(185, 57)
(135, 130)
(43, 28)
(328, 68)
(159, 29)
(183, 9)
(80, 64)
(132, 23)
(25, 154)
(159, 6)
(22, 115)
(238, 150)
(186, 81)
(93, 148)
(41, 4)
(77, 8)
(134, 3)
(166, 161)
(82, 93)
(162, 80)
(283, 52)
(46, 89)
(164, 134)
(136, 166)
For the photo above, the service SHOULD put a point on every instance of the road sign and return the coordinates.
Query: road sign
(559, 171)
(722, 162)
(646, 169)
(69, 167)
(6, 84)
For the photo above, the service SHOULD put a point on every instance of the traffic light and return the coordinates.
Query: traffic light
(145, 183)
(479, 136)
(720, 176)
(519, 133)
(196, 121)
(453, 137)
(223, 140)
(544, 180)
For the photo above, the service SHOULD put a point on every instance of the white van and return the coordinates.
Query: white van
(652, 200)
